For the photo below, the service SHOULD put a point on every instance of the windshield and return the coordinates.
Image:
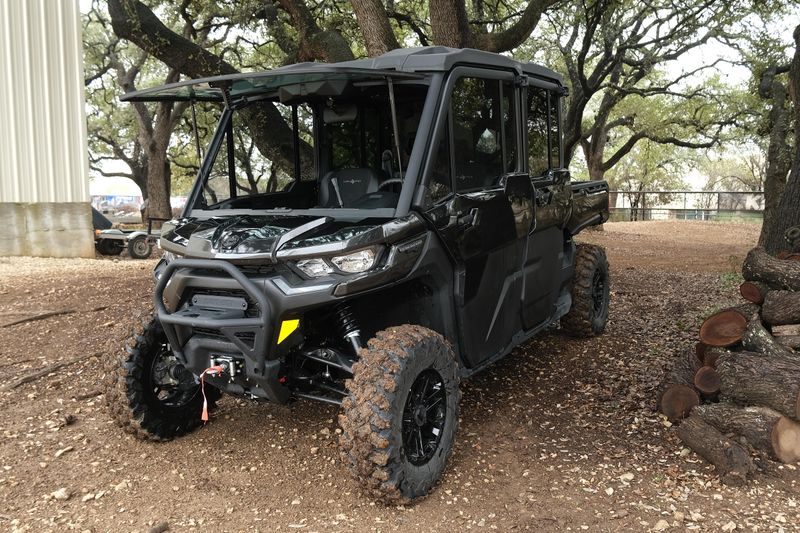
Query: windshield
(348, 151)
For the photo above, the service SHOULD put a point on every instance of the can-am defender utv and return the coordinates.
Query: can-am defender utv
(366, 234)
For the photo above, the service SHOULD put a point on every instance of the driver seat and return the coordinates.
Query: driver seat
(353, 183)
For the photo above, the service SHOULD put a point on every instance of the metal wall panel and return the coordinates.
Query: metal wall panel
(43, 149)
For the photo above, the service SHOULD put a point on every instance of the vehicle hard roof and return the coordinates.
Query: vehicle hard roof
(400, 63)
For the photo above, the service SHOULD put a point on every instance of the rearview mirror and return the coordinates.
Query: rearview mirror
(340, 113)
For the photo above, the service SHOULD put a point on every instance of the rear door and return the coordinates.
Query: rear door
(485, 219)
(548, 259)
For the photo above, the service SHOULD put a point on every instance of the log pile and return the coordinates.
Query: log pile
(740, 387)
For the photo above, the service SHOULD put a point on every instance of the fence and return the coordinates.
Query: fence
(686, 205)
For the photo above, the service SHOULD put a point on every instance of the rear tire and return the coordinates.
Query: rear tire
(591, 286)
(139, 248)
(109, 246)
(143, 396)
(401, 415)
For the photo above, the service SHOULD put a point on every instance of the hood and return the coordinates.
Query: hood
(248, 236)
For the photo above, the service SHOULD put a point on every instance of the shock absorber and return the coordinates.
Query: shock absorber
(348, 327)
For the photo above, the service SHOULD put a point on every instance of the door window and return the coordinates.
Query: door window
(538, 147)
(544, 149)
(482, 132)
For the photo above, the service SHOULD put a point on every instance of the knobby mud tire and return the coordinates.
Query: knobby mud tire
(129, 396)
(584, 318)
(372, 413)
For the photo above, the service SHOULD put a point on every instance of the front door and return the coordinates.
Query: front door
(486, 222)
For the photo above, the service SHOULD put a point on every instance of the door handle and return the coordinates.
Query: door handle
(470, 219)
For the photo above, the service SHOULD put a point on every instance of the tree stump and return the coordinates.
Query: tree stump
(754, 291)
(764, 429)
(751, 379)
(757, 339)
(723, 328)
(781, 308)
(731, 460)
(777, 273)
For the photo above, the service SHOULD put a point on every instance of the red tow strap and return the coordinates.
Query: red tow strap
(211, 371)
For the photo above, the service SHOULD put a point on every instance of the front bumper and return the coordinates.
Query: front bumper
(208, 327)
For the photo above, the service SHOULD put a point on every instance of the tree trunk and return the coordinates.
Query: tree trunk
(378, 35)
(764, 429)
(781, 307)
(754, 291)
(752, 379)
(787, 214)
(449, 23)
(757, 339)
(732, 462)
(723, 328)
(777, 273)
(779, 153)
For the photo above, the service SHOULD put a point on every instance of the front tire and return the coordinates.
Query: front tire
(591, 290)
(401, 415)
(147, 391)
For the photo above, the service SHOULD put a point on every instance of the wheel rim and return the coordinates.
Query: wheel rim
(598, 291)
(424, 417)
(140, 247)
(167, 387)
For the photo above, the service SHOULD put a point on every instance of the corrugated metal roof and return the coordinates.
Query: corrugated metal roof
(43, 149)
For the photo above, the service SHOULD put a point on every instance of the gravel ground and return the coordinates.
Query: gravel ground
(559, 436)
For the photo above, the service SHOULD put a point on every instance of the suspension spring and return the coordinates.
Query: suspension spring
(348, 327)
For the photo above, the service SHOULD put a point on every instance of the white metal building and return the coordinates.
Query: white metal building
(44, 195)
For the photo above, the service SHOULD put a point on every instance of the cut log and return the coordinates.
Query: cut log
(723, 329)
(764, 429)
(713, 355)
(708, 355)
(790, 341)
(781, 308)
(683, 370)
(731, 460)
(678, 396)
(754, 291)
(757, 339)
(788, 329)
(746, 310)
(751, 379)
(706, 381)
(777, 273)
(677, 402)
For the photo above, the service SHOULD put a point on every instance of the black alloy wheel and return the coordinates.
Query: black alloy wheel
(424, 417)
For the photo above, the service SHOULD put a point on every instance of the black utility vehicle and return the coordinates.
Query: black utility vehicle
(366, 234)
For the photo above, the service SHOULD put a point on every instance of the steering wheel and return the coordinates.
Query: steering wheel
(391, 181)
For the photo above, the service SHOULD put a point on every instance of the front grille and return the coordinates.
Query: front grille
(257, 270)
(253, 309)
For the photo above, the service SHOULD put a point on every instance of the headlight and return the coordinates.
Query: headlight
(360, 261)
(314, 268)
(168, 257)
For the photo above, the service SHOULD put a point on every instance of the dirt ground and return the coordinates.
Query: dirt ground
(559, 436)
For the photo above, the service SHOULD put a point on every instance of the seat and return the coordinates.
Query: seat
(352, 184)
